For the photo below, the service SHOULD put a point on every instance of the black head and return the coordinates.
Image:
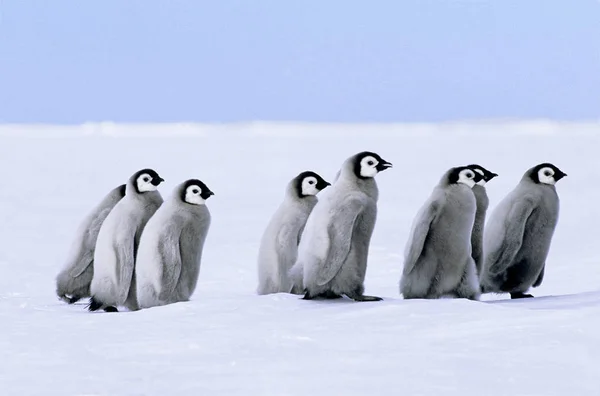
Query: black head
(487, 175)
(122, 188)
(309, 183)
(545, 173)
(195, 192)
(367, 164)
(464, 175)
(146, 180)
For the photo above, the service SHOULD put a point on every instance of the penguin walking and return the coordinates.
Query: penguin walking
(170, 250)
(519, 233)
(113, 283)
(73, 281)
(437, 257)
(333, 250)
(279, 244)
(483, 203)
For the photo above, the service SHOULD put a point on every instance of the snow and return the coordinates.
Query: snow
(228, 340)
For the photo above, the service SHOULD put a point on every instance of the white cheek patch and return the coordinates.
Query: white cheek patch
(194, 199)
(544, 179)
(145, 186)
(464, 179)
(482, 181)
(367, 170)
(309, 189)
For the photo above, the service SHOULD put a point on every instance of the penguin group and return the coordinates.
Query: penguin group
(135, 251)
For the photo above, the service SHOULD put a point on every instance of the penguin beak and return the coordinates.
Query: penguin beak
(491, 176)
(322, 184)
(157, 181)
(383, 166)
(559, 175)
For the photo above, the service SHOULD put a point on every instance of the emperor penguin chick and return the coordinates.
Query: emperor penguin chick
(519, 233)
(482, 202)
(168, 262)
(73, 281)
(437, 257)
(333, 250)
(279, 244)
(113, 283)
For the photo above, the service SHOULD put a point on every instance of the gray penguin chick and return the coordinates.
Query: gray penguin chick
(279, 244)
(483, 202)
(113, 283)
(170, 251)
(437, 257)
(519, 233)
(73, 281)
(333, 250)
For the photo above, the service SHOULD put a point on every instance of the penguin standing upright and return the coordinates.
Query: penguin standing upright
(519, 233)
(73, 281)
(279, 243)
(113, 283)
(170, 251)
(437, 257)
(333, 250)
(482, 202)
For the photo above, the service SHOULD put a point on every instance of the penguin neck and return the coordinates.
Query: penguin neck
(292, 194)
(348, 179)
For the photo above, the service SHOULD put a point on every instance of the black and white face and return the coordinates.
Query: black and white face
(464, 175)
(309, 183)
(485, 174)
(148, 180)
(549, 174)
(369, 165)
(196, 193)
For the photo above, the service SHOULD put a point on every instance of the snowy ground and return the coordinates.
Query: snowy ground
(227, 340)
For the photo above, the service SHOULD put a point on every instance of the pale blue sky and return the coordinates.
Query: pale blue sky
(72, 61)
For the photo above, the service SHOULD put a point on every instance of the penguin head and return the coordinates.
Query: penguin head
(464, 175)
(487, 175)
(146, 180)
(368, 164)
(194, 192)
(309, 183)
(546, 173)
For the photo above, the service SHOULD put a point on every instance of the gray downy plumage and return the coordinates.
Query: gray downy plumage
(333, 250)
(73, 281)
(170, 252)
(482, 201)
(279, 244)
(113, 283)
(519, 233)
(437, 257)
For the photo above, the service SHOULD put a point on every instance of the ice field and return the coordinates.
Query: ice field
(228, 340)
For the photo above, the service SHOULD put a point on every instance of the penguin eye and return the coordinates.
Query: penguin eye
(146, 179)
(311, 182)
(547, 173)
(370, 163)
(194, 191)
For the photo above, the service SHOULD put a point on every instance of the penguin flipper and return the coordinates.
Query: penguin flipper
(125, 259)
(92, 231)
(172, 256)
(512, 239)
(340, 229)
(419, 235)
(540, 278)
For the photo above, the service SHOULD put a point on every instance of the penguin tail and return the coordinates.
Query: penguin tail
(94, 305)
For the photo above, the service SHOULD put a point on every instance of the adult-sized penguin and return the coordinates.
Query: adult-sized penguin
(333, 250)
(519, 233)
(482, 202)
(168, 262)
(73, 281)
(437, 257)
(113, 283)
(279, 244)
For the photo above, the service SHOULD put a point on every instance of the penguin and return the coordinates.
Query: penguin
(113, 283)
(170, 250)
(482, 202)
(279, 244)
(73, 281)
(437, 256)
(519, 232)
(333, 250)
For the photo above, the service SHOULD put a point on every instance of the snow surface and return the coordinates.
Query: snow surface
(229, 341)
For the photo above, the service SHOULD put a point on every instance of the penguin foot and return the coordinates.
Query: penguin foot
(362, 298)
(73, 299)
(329, 295)
(111, 309)
(307, 296)
(517, 295)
